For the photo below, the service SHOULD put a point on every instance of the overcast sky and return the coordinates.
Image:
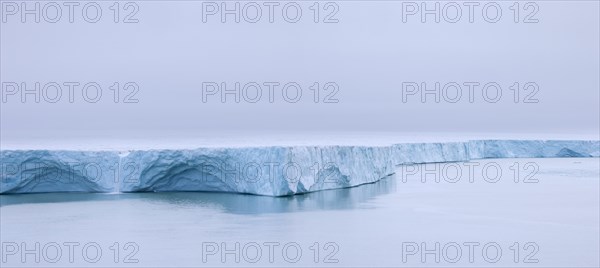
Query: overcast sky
(362, 64)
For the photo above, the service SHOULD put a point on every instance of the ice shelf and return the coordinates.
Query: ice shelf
(266, 170)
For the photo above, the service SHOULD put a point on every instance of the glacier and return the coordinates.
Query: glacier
(34, 171)
(267, 170)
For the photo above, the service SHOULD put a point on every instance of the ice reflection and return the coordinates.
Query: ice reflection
(348, 198)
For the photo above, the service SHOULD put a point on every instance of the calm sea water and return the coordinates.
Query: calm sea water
(509, 212)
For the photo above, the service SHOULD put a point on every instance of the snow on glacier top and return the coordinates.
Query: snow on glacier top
(265, 139)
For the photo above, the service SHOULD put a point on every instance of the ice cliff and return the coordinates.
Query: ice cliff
(57, 171)
(274, 171)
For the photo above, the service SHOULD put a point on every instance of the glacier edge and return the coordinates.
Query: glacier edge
(272, 171)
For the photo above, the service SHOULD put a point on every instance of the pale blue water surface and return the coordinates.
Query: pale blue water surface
(552, 221)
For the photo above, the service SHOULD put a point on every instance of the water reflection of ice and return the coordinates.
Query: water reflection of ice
(347, 198)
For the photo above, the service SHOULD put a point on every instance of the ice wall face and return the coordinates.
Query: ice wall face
(519, 149)
(417, 153)
(333, 167)
(241, 170)
(273, 171)
(58, 171)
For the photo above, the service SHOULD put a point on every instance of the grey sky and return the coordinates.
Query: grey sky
(369, 53)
